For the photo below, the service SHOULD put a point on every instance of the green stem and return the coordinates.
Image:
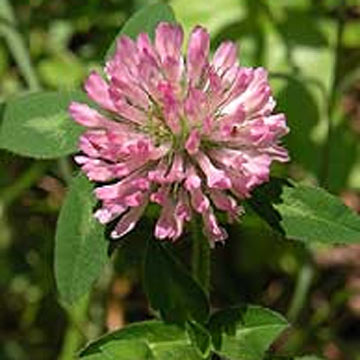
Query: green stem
(333, 96)
(74, 336)
(200, 257)
(302, 288)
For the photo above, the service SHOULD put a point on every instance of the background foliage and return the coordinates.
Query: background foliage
(312, 50)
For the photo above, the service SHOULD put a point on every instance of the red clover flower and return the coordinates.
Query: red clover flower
(190, 134)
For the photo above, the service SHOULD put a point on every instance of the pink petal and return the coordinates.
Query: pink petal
(278, 153)
(171, 106)
(135, 199)
(109, 212)
(122, 188)
(225, 56)
(168, 40)
(193, 181)
(166, 226)
(223, 202)
(192, 143)
(199, 201)
(98, 90)
(161, 195)
(86, 116)
(176, 172)
(197, 54)
(158, 174)
(146, 48)
(122, 88)
(182, 209)
(128, 221)
(216, 178)
(277, 124)
(196, 106)
(127, 111)
(212, 230)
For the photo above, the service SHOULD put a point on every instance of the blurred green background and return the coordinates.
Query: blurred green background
(312, 50)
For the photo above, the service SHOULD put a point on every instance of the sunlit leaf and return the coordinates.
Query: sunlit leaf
(150, 340)
(245, 333)
(284, 357)
(39, 125)
(200, 337)
(312, 214)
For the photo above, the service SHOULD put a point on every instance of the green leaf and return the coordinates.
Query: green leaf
(38, 125)
(146, 21)
(149, 340)
(284, 357)
(170, 288)
(245, 333)
(312, 214)
(80, 246)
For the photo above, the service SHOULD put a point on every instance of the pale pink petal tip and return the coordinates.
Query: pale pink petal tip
(98, 90)
(191, 133)
(198, 52)
(225, 56)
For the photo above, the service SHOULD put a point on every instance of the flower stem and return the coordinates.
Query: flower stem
(74, 336)
(200, 256)
(302, 288)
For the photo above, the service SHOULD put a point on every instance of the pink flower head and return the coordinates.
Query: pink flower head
(191, 134)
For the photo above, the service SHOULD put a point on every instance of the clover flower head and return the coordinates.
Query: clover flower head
(189, 133)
